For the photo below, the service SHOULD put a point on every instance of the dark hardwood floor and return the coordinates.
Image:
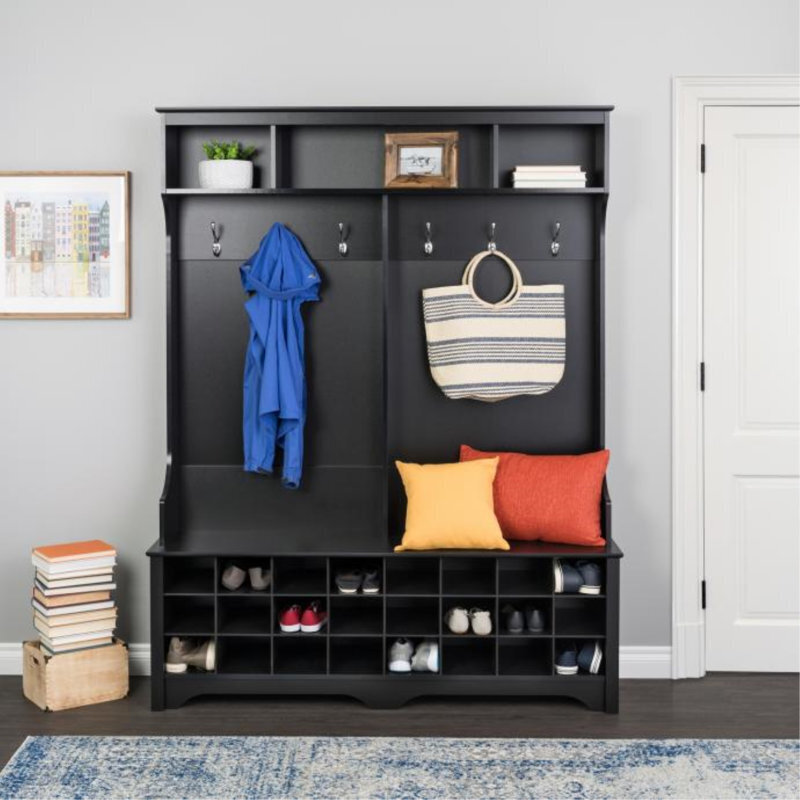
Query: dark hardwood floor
(718, 706)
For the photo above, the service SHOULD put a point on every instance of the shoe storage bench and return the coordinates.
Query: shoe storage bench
(371, 400)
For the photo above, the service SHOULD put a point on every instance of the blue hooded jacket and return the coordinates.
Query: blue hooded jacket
(281, 277)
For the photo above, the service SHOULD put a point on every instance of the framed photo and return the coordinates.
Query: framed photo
(64, 245)
(421, 160)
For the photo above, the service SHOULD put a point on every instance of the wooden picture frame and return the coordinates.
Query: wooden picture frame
(65, 245)
(421, 160)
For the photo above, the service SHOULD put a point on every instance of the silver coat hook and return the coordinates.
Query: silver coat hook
(343, 248)
(554, 245)
(491, 245)
(216, 247)
(428, 246)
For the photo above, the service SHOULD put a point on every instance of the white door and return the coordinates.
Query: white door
(751, 299)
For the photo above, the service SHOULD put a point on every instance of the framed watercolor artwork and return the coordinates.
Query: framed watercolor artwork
(65, 245)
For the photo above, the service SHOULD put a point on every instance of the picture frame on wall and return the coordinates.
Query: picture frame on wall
(65, 245)
(421, 160)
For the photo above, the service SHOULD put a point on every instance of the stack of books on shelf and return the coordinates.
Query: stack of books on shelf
(567, 176)
(72, 604)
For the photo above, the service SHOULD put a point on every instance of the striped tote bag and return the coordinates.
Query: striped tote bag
(493, 351)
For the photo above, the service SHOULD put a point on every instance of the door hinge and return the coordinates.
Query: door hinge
(702, 376)
(702, 158)
(703, 594)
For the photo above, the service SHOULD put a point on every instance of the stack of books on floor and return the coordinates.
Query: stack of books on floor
(567, 176)
(72, 604)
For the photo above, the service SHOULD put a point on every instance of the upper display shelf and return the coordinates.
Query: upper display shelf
(433, 150)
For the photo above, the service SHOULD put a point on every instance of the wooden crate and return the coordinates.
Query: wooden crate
(69, 680)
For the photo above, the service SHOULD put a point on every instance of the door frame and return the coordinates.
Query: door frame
(690, 97)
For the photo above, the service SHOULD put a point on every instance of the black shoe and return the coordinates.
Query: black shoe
(514, 621)
(534, 619)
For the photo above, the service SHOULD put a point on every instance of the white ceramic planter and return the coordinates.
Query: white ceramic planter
(228, 174)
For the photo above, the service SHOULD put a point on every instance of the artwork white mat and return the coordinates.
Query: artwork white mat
(64, 245)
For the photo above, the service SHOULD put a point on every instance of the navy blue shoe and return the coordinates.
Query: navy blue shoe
(566, 578)
(590, 657)
(591, 577)
(567, 660)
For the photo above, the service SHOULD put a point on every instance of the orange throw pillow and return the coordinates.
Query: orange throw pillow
(548, 498)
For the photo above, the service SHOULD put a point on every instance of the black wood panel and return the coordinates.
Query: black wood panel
(524, 224)
(335, 507)
(245, 219)
(344, 363)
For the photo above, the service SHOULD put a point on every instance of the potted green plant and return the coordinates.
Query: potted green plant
(229, 166)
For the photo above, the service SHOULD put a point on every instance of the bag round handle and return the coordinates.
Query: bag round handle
(468, 278)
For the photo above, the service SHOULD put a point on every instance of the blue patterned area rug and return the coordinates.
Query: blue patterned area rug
(135, 768)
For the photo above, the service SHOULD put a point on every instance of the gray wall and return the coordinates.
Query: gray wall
(82, 420)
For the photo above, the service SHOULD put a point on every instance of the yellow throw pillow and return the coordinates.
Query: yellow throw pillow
(451, 506)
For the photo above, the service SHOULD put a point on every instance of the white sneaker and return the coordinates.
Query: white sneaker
(400, 656)
(457, 620)
(481, 621)
(426, 658)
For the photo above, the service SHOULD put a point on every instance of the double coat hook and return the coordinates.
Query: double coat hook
(427, 248)
(491, 245)
(216, 235)
(554, 244)
(343, 248)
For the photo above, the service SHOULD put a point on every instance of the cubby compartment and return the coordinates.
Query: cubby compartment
(553, 145)
(189, 616)
(468, 576)
(185, 575)
(243, 655)
(356, 656)
(243, 615)
(300, 655)
(408, 617)
(526, 577)
(282, 603)
(580, 616)
(468, 603)
(363, 617)
(362, 565)
(580, 642)
(185, 151)
(588, 592)
(412, 575)
(191, 670)
(523, 604)
(469, 657)
(244, 564)
(300, 576)
(526, 657)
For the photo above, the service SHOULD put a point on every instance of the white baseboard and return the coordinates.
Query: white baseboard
(634, 662)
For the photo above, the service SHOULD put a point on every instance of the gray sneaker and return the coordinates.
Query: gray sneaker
(400, 654)
(184, 653)
(513, 619)
(260, 578)
(426, 658)
(349, 582)
(534, 619)
(371, 583)
(233, 577)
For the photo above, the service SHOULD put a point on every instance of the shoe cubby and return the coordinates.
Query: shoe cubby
(525, 577)
(363, 565)
(579, 616)
(474, 576)
(475, 656)
(300, 654)
(300, 576)
(188, 575)
(412, 575)
(244, 564)
(482, 603)
(526, 656)
(282, 603)
(243, 655)
(364, 617)
(522, 604)
(412, 617)
(360, 655)
(189, 616)
(579, 642)
(244, 615)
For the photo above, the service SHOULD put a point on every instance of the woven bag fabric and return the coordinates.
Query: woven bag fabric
(494, 351)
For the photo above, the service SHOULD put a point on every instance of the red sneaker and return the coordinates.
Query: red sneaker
(313, 619)
(290, 619)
